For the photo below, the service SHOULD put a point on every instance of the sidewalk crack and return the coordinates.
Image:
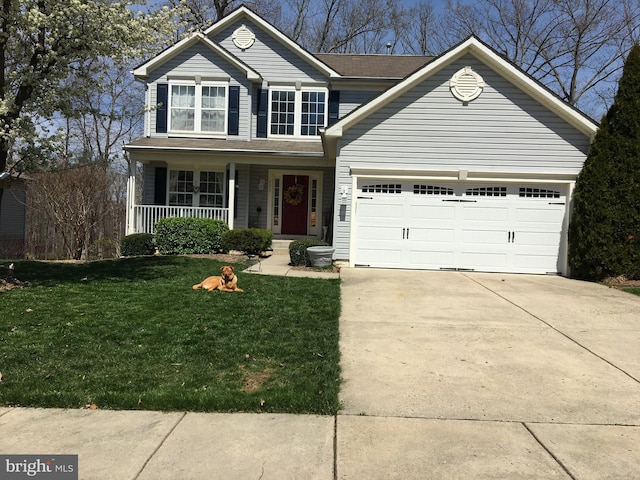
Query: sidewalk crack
(164, 439)
(555, 458)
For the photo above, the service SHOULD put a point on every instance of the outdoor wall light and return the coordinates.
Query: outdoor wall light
(344, 191)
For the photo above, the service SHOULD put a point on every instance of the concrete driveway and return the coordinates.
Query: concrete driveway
(468, 375)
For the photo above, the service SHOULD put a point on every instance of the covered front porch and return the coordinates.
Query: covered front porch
(285, 187)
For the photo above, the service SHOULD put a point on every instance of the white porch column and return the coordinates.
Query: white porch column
(232, 193)
(130, 222)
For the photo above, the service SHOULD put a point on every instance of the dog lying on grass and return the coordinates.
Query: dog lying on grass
(227, 282)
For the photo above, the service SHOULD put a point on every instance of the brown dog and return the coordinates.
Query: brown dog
(227, 282)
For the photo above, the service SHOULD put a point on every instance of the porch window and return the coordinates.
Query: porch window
(297, 112)
(211, 189)
(207, 191)
(181, 187)
(198, 108)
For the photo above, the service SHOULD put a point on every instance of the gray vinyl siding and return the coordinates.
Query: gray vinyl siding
(352, 99)
(269, 57)
(13, 224)
(243, 174)
(200, 60)
(503, 130)
(148, 184)
(427, 129)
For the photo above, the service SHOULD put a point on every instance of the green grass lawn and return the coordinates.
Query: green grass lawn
(634, 290)
(132, 334)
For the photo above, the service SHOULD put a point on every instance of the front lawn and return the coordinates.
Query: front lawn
(132, 334)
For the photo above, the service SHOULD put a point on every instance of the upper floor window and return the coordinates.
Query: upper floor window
(297, 112)
(198, 107)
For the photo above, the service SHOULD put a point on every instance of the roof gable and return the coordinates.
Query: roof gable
(143, 70)
(489, 57)
(244, 12)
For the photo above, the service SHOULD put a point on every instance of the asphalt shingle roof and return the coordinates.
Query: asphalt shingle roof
(373, 66)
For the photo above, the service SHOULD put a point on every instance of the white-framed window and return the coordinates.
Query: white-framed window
(181, 187)
(297, 112)
(196, 188)
(198, 107)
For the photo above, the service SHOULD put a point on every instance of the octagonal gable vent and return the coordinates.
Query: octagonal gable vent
(466, 85)
(243, 37)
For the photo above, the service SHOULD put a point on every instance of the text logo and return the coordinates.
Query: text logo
(44, 467)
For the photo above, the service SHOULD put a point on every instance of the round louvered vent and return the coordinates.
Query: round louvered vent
(243, 38)
(466, 85)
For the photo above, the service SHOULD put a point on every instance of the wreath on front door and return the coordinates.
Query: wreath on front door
(294, 194)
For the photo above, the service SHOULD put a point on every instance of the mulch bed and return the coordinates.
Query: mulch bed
(621, 282)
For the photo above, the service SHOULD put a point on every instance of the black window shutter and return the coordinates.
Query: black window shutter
(334, 106)
(161, 111)
(263, 109)
(160, 186)
(234, 110)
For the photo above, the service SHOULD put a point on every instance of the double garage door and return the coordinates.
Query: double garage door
(498, 227)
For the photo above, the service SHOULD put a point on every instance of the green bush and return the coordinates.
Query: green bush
(298, 250)
(189, 235)
(251, 241)
(137, 244)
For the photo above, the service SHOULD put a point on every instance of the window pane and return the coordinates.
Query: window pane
(211, 189)
(214, 111)
(282, 112)
(313, 103)
(183, 101)
(181, 187)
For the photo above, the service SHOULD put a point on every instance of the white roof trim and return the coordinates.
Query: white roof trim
(143, 70)
(275, 33)
(489, 57)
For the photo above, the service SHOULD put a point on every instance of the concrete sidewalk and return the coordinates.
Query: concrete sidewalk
(446, 376)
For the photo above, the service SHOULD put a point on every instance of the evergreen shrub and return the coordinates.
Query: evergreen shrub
(137, 244)
(189, 235)
(251, 241)
(604, 234)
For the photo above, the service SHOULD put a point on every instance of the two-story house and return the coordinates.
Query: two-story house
(456, 162)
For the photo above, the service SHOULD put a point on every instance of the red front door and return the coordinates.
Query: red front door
(295, 204)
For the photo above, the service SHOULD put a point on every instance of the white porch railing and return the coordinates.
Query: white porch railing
(146, 216)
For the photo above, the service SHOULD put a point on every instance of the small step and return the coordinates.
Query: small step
(280, 247)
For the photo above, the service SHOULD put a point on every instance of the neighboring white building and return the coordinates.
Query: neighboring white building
(461, 161)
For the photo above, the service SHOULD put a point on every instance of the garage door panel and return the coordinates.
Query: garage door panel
(485, 236)
(539, 216)
(433, 212)
(380, 212)
(432, 258)
(382, 256)
(487, 213)
(378, 235)
(483, 260)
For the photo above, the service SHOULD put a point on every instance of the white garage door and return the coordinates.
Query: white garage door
(430, 225)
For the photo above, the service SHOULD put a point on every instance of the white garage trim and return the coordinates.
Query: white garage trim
(481, 224)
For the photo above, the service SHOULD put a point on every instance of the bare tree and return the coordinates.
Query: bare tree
(575, 47)
(72, 200)
(414, 28)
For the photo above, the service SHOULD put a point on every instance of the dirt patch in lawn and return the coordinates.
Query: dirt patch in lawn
(253, 381)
